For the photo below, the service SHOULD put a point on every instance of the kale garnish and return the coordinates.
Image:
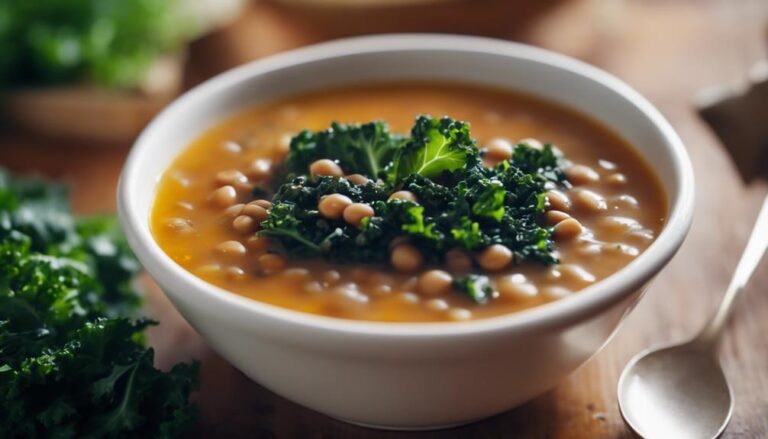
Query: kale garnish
(476, 287)
(435, 146)
(461, 202)
(72, 364)
(363, 149)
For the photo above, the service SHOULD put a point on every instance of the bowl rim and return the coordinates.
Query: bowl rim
(587, 302)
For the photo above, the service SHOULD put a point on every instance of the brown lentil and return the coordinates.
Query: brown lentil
(531, 142)
(557, 200)
(234, 210)
(332, 206)
(244, 224)
(566, 229)
(617, 179)
(458, 261)
(260, 169)
(231, 176)
(403, 195)
(224, 196)
(589, 201)
(355, 212)
(257, 243)
(499, 149)
(459, 314)
(180, 225)
(271, 262)
(235, 273)
(437, 305)
(256, 212)
(494, 257)
(231, 248)
(325, 167)
(555, 216)
(435, 282)
(266, 204)
(581, 174)
(358, 179)
(406, 258)
(330, 277)
(515, 287)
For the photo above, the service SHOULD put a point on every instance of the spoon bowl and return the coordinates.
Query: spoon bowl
(661, 393)
(680, 391)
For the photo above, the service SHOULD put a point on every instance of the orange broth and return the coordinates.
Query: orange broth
(635, 213)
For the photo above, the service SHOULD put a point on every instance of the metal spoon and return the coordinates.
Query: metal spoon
(680, 391)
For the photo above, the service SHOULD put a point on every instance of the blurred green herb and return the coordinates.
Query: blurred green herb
(107, 42)
(72, 364)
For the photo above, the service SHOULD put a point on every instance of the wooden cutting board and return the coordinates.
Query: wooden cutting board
(668, 51)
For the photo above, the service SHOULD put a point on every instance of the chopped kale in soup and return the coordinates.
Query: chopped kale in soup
(431, 191)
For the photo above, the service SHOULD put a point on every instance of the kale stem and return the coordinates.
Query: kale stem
(373, 165)
(293, 235)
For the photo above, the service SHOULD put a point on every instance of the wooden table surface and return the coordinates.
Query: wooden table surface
(668, 51)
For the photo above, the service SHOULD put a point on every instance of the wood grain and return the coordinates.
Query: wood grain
(668, 51)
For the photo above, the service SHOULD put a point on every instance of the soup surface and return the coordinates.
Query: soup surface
(615, 198)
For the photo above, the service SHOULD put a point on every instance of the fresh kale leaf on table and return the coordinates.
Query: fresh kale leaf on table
(461, 202)
(72, 362)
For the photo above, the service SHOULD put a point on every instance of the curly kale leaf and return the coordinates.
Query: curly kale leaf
(40, 211)
(363, 149)
(416, 225)
(467, 234)
(70, 366)
(545, 162)
(295, 222)
(284, 224)
(98, 383)
(490, 196)
(461, 203)
(42, 297)
(436, 146)
(104, 248)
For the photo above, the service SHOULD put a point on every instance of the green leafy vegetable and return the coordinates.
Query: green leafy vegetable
(40, 211)
(283, 223)
(364, 149)
(475, 287)
(544, 162)
(467, 234)
(489, 196)
(436, 146)
(461, 203)
(69, 366)
(109, 42)
(417, 225)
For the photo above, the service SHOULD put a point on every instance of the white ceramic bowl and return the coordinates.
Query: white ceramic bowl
(419, 375)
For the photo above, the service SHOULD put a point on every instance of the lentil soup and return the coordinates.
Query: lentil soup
(207, 218)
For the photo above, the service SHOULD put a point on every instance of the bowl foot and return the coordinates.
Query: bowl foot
(406, 428)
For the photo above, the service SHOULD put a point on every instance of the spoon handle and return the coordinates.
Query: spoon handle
(756, 247)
